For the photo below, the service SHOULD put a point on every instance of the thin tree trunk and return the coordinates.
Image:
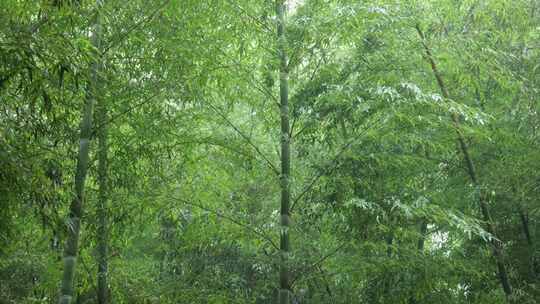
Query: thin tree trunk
(420, 247)
(533, 265)
(326, 284)
(102, 214)
(76, 207)
(524, 219)
(495, 244)
(422, 238)
(284, 276)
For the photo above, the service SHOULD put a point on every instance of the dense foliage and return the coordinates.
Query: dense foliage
(233, 151)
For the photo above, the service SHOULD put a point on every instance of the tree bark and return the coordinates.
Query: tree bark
(496, 246)
(284, 280)
(76, 207)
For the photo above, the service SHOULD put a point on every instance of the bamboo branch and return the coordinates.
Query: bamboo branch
(332, 166)
(245, 137)
(318, 263)
(133, 27)
(239, 223)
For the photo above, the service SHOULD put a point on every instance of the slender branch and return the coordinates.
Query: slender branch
(245, 137)
(232, 220)
(128, 110)
(295, 54)
(89, 273)
(256, 20)
(133, 27)
(317, 263)
(256, 84)
(333, 164)
(343, 78)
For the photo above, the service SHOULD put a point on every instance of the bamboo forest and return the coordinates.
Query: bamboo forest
(270, 151)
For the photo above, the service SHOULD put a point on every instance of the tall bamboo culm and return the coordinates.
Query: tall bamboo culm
(285, 217)
(496, 246)
(76, 207)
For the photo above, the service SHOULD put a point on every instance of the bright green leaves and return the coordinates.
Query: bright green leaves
(192, 90)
